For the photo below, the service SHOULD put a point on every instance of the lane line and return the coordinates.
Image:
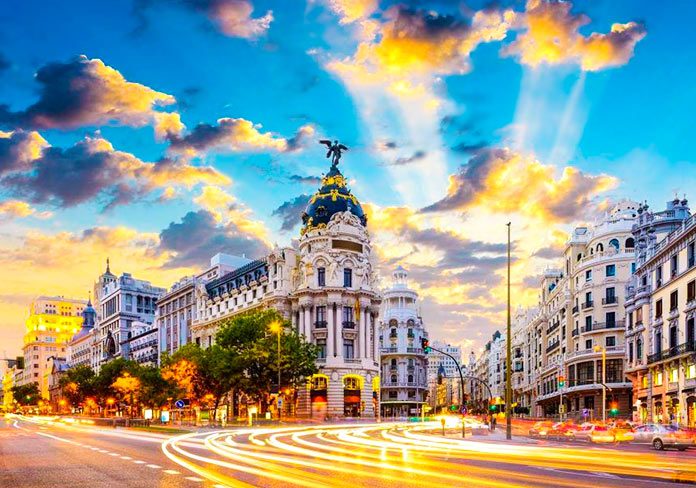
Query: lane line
(154, 466)
(193, 478)
(171, 471)
(139, 462)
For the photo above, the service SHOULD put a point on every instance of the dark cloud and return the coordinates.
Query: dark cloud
(386, 145)
(308, 180)
(188, 97)
(86, 92)
(455, 124)
(406, 160)
(198, 236)
(19, 150)
(533, 281)
(290, 212)
(549, 252)
(464, 147)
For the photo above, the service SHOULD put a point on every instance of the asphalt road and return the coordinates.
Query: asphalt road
(376, 455)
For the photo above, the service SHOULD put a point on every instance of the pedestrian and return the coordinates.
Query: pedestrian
(493, 422)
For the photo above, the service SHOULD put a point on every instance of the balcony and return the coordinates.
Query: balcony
(575, 309)
(553, 327)
(410, 335)
(393, 335)
(609, 300)
(575, 332)
(684, 348)
(553, 346)
(591, 352)
(320, 324)
(348, 324)
(389, 350)
(414, 350)
(618, 324)
(588, 304)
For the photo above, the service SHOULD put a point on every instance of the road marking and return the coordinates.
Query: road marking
(139, 462)
(171, 471)
(193, 478)
(127, 458)
(114, 454)
(154, 466)
(604, 475)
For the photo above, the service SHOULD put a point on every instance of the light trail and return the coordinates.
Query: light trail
(406, 455)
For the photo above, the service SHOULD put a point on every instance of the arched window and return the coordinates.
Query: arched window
(351, 383)
(592, 251)
(600, 247)
(614, 243)
(630, 243)
(410, 322)
(320, 383)
(393, 379)
(393, 323)
(579, 256)
(410, 378)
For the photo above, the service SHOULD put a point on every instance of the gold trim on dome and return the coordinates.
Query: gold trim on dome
(334, 195)
(309, 227)
(337, 180)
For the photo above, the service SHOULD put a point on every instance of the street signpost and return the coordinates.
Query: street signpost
(180, 404)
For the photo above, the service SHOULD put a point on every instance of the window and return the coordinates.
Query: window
(644, 381)
(657, 378)
(674, 300)
(348, 349)
(691, 254)
(610, 270)
(321, 315)
(410, 378)
(674, 375)
(600, 247)
(673, 339)
(588, 344)
(588, 323)
(614, 243)
(674, 265)
(321, 276)
(610, 295)
(351, 383)
(611, 319)
(658, 308)
(633, 268)
(610, 341)
(588, 275)
(321, 345)
(691, 371)
(347, 278)
(630, 352)
(691, 291)
(348, 316)
(658, 277)
(639, 349)
(630, 243)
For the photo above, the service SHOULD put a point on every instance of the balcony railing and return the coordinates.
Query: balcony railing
(553, 327)
(415, 350)
(609, 300)
(575, 309)
(588, 352)
(587, 304)
(553, 346)
(602, 325)
(575, 332)
(320, 324)
(348, 324)
(684, 348)
(389, 350)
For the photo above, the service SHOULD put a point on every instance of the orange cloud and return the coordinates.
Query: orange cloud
(10, 209)
(235, 20)
(551, 36)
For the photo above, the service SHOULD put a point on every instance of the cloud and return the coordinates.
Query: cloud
(464, 147)
(11, 209)
(92, 169)
(233, 135)
(290, 212)
(306, 180)
(403, 161)
(502, 180)
(199, 235)
(19, 149)
(86, 92)
(351, 11)
(551, 36)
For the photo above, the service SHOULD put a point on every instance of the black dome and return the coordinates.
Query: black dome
(334, 196)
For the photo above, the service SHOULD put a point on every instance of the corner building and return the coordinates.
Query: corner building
(326, 287)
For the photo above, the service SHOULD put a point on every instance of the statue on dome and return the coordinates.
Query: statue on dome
(334, 151)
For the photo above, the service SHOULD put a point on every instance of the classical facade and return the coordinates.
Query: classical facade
(51, 323)
(661, 310)
(121, 301)
(82, 345)
(445, 393)
(326, 288)
(176, 310)
(404, 364)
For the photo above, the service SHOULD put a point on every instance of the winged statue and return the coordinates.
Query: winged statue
(334, 151)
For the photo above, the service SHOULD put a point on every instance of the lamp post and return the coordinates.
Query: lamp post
(604, 380)
(277, 327)
(508, 359)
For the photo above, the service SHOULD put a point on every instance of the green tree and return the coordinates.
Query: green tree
(26, 394)
(78, 383)
(108, 374)
(155, 390)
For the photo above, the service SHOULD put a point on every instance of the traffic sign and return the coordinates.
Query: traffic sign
(585, 412)
(180, 404)
(463, 410)
(280, 402)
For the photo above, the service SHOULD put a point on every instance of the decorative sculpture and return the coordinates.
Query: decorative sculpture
(334, 151)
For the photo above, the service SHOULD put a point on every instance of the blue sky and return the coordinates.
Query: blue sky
(465, 110)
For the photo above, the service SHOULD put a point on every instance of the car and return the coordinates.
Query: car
(661, 436)
(596, 433)
(562, 431)
(540, 429)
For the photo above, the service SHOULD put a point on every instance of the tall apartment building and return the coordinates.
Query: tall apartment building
(121, 301)
(661, 310)
(523, 359)
(447, 393)
(404, 364)
(327, 288)
(51, 323)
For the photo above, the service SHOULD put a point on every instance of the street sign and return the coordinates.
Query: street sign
(280, 402)
(463, 410)
(585, 412)
(180, 404)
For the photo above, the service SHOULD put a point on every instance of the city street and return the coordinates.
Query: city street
(37, 454)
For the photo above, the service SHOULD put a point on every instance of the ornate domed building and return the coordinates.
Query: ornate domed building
(335, 303)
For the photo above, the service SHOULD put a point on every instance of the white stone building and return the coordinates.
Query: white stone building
(404, 371)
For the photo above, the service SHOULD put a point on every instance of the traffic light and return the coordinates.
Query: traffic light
(493, 408)
(614, 408)
(561, 381)
(425, 344)
(453, 408)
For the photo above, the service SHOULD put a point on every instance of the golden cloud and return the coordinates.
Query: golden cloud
(353, 10)
(551, 36)
(10, 209)
(235, 20)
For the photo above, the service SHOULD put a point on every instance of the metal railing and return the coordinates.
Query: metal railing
(609, 300)
(684, 348)
(588, 304)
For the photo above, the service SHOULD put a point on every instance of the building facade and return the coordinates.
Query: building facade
(404, 364)
(326, 288)
(446, 392)
(661, 310)
(121, 301)
(176, 310)
(51, 323)
(80, 351)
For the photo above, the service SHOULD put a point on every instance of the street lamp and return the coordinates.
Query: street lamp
(604, 380)
(277, 327)
(110, 403)
(508, 359)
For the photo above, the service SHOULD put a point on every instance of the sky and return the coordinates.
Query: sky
(158, 133)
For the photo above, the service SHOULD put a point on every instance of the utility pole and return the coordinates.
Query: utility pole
(508, 358)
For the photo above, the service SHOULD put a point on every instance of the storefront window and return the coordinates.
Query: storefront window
(657, 379)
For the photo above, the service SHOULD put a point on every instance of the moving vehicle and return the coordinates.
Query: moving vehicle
(595, 433)
(562, 431)
(541, 429)
(661, 436)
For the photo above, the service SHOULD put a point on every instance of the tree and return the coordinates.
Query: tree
(108, 374)
(78, 384)
(155, 389)
(26, 394)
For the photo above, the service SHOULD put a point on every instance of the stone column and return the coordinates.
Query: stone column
(375, 339)
(308, 322)
(330, 332)
(362, 336)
